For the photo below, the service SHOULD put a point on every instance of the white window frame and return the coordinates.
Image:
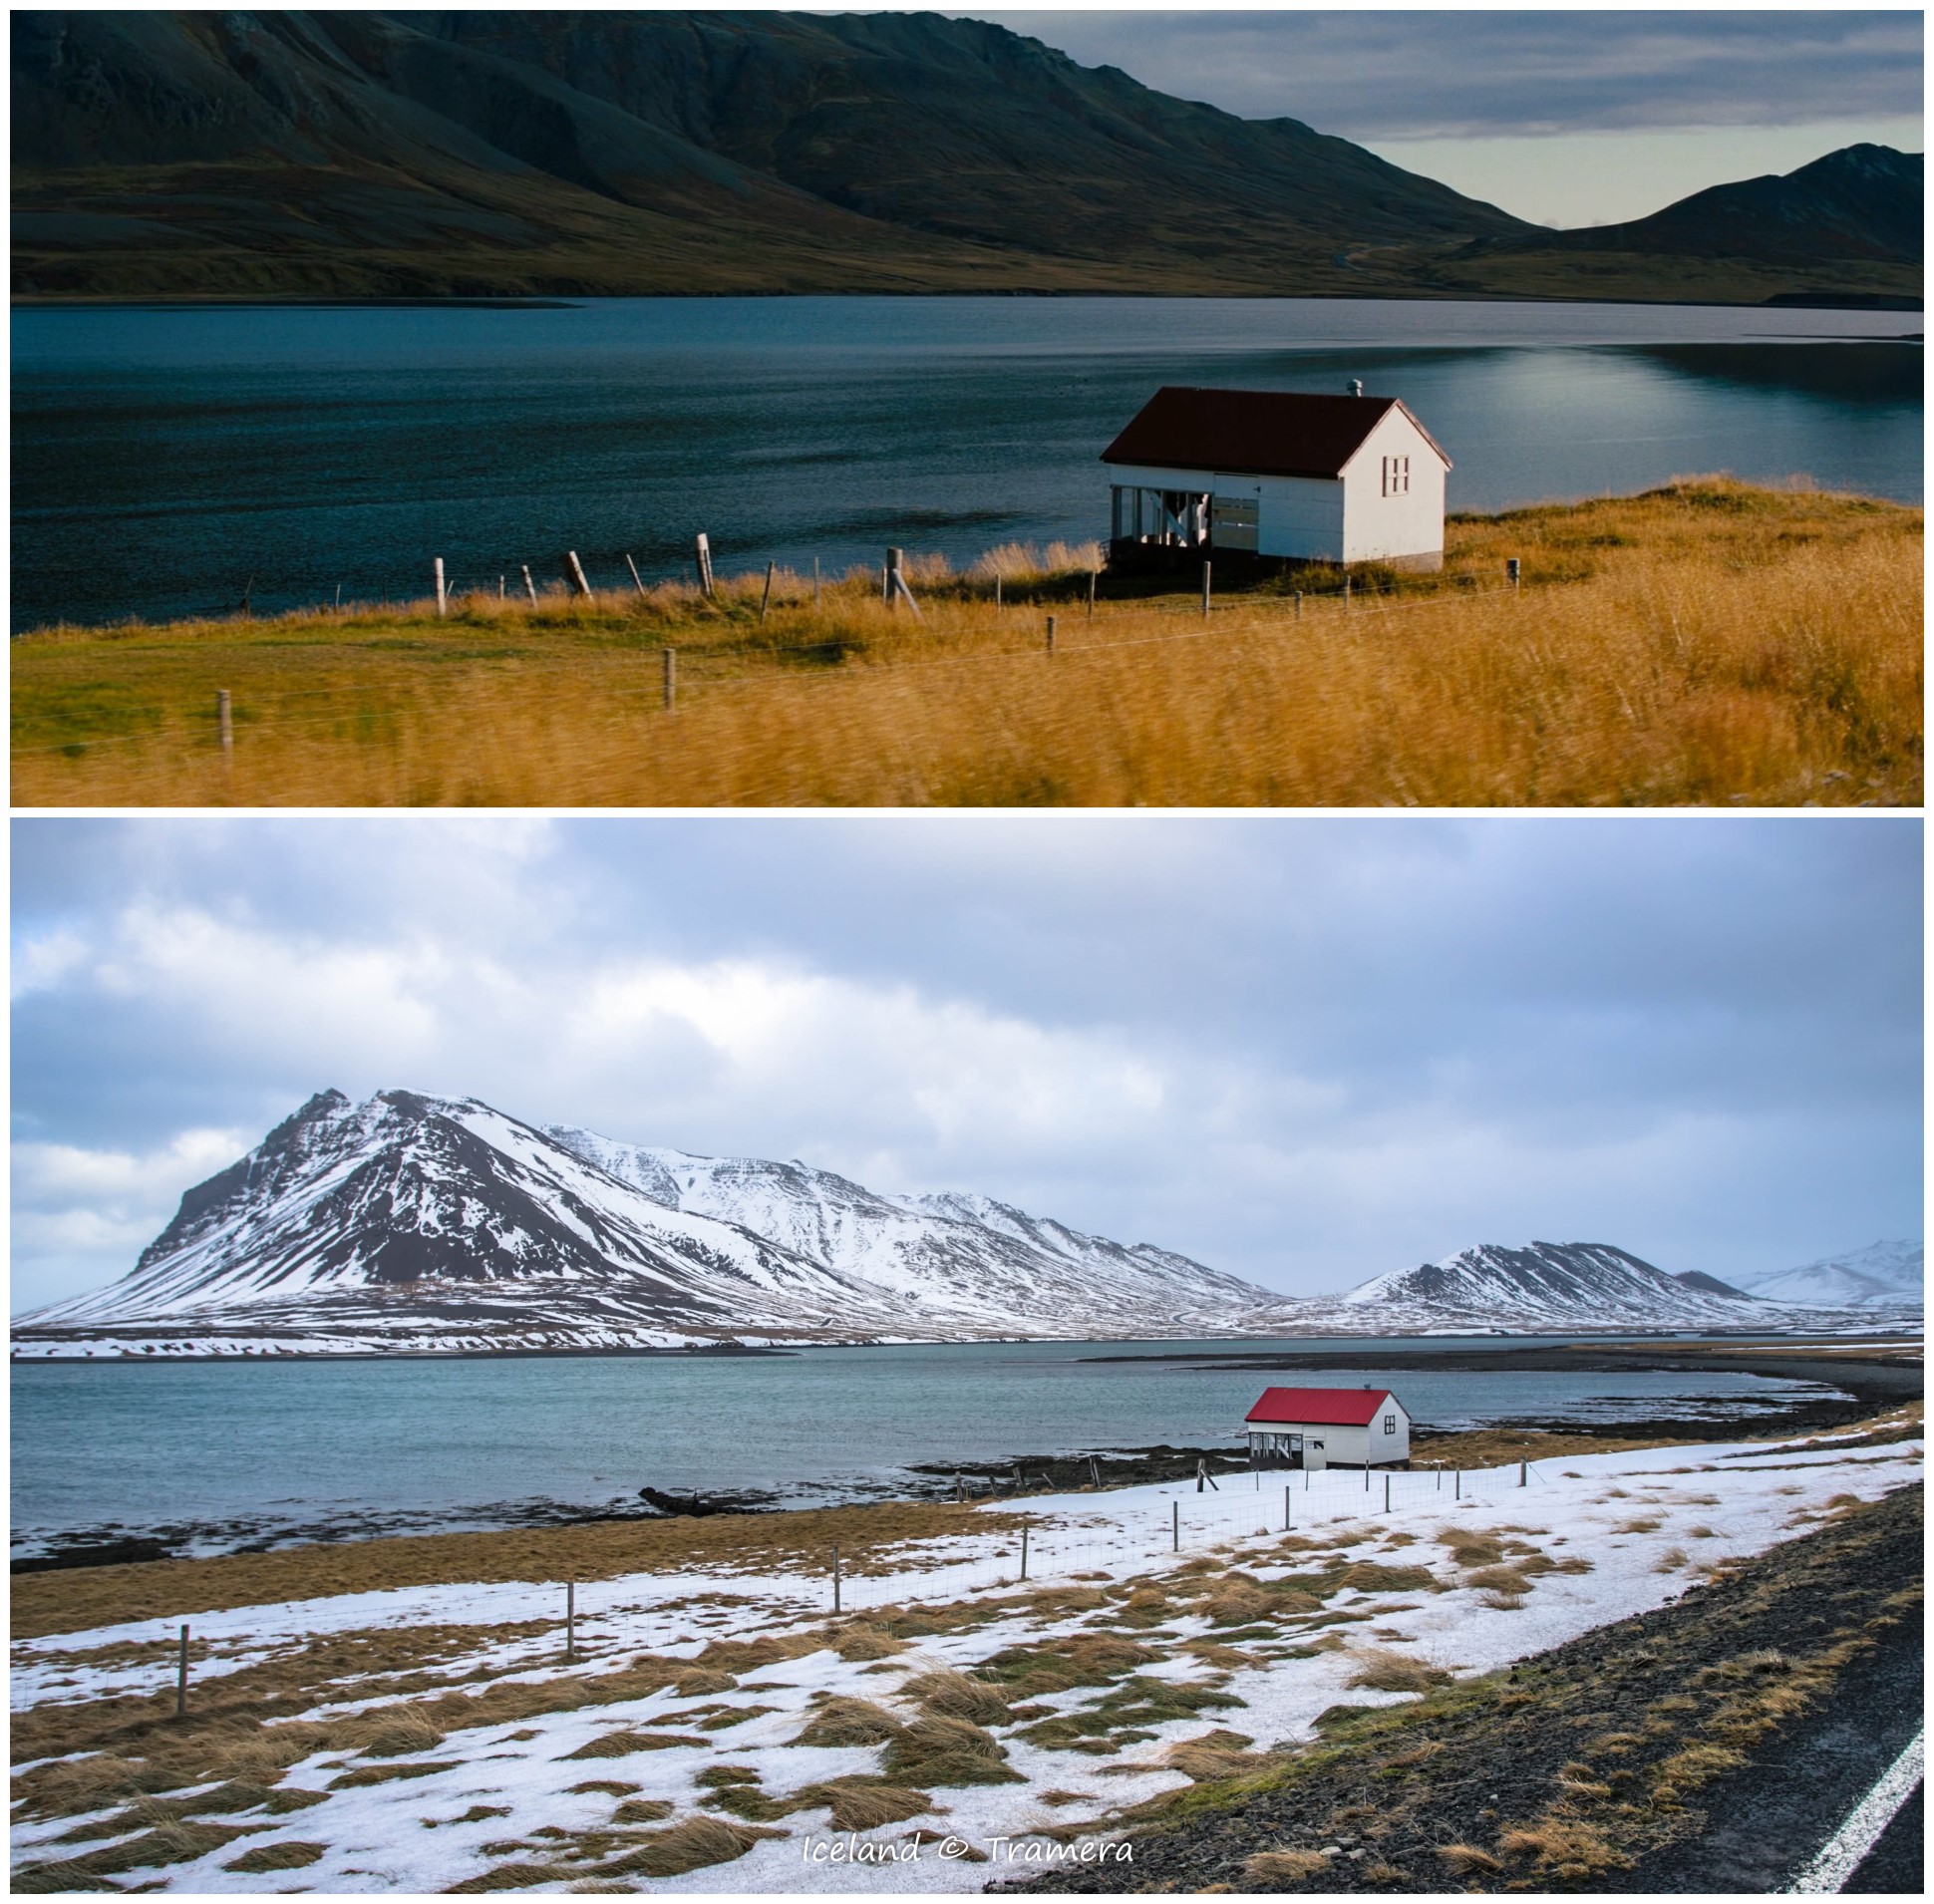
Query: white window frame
(1390, 1425)
(1397, 475)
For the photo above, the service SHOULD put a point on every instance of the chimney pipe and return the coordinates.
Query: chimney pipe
(1355, 387)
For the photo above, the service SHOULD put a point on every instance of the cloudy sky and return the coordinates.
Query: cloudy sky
(1304, 1051)
(1566, 117)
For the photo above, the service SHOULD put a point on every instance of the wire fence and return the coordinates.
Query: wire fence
(656, 691)
(1122, 1542)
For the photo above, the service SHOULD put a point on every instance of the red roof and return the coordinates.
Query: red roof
(1253, 432)
(1332, 1408)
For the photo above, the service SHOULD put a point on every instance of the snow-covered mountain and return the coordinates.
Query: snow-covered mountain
(1548, 1285)
(421, 1224)
(1884, 1275)
(413, 1222)
(965, 1258)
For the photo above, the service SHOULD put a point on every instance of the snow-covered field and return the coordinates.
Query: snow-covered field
(1592, 1539)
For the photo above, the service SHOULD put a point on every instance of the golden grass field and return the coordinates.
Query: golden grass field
(1707, 643)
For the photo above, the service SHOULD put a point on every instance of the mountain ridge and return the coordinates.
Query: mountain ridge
(570, 154)
(411, 1223)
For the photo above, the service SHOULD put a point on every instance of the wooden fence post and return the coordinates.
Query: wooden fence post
(225, 723)
(1299, 604)
(1176, 1525)
(1024, 1550)
(1346, 591)
(1286, 1487)
(765, 600)
(578, 576)
(835, 1580)
(570, 1619)
(705, 565)
(1524, 1474)
(1457, 1485)
(1091, 576)
(1205, 591)
(1051, 634)
(816, 584)
(997, 592)
(671, 678)
(182, 1678)
(635, 576)
(529, 587)
(499, 589)
(1385, 1494)
(1512, 569)
(442, 593)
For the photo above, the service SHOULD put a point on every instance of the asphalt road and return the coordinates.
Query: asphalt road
(1897, 1865)
(1765, 1821)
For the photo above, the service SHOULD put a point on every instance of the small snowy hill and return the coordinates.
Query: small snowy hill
(1883, 1275)
(1548, 1285)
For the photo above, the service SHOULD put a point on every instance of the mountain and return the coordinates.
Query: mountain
(1883, 1275)
(1550, 1285)
(1698, 1279)
(418, 1223)
(537, 151)
(1863, 202)
(1847, 229)
(967, 1258)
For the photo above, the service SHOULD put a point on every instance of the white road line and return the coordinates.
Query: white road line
(1836, 1861)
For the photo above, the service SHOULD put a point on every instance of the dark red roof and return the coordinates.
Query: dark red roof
(1332, 1408)
(1253, 432)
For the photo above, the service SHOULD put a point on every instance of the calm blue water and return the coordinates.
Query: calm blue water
(166, 461)
(363, 1446)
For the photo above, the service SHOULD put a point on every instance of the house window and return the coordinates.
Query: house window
(1390, 1425)
(1397, 475)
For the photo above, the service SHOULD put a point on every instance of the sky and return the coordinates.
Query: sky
(1583, 116)
(1305, 1051)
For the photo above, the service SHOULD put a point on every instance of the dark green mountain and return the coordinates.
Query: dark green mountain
(502, 154)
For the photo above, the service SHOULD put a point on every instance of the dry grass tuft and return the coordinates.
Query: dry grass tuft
(946, 1752)
(862, 1804)
(862, 1642)
(1704, 643)
(1273, 1868)
(1218, 1755)
(1467, 1860)
(622, 1743)
(849, 1721)
(957, 1696)
(291, 1854)
(1382, 1670)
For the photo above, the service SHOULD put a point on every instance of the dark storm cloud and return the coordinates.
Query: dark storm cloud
(1452, 74)
(1307, 1051)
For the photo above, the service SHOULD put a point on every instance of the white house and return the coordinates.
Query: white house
(1277, 472)
(1328, 1427)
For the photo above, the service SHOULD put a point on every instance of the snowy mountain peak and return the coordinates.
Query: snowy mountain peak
(1555, 1284)
(1883, 1274)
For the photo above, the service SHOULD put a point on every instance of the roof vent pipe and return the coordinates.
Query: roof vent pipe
(1355, 387)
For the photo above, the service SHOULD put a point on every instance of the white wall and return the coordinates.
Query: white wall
(1379, 528)
(1352, 1447)
(1301, 517)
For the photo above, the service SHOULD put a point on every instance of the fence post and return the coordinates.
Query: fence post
(1524, 1474)
(570, 1619)
(1176, 1525)
(442, 593)
(1346, 591)
(1286, 1487)
(578, 576)
(1051, 634)
(225, 723)
(671, 678)
(182, 1678)
(1385, 1494)
(1205, 591)
(1458, 1491)
(1366, 1476)
(1024, 1550)
(635, 576)
(529, 587)
(704, 548)
(835, 1580)
(997, 592)
(815, 584)
(765, 600)
(1299, 604)
(1093, 574)
(1512, 569)
(499, 589)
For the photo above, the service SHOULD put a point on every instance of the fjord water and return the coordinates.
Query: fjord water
(351, 1447)
(172, 461)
